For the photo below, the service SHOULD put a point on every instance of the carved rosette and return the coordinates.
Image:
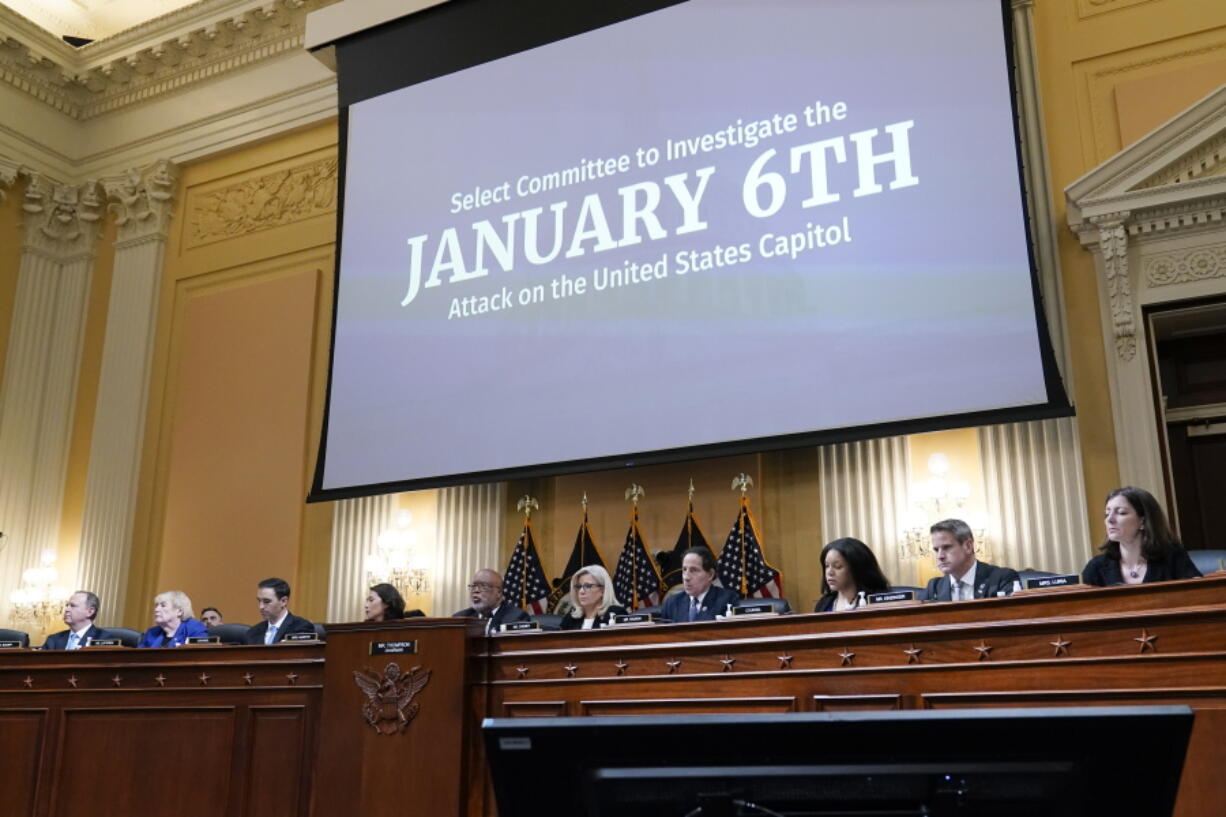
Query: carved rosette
(1186, 266)
(143, 200)
(8, 175)
(1113, 244)
(61, 220)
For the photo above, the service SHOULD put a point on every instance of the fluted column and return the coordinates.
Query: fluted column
(864, 494)
(356, 526)
(142, 201)
(41, 367)
(469, 530)
(1036, 502)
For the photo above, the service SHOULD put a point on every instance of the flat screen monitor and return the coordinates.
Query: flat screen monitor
(583, 235)
(1048, 762)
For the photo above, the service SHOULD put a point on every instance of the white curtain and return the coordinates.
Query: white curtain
(356, 525)
(1035, 495)
(469, 530)
(864, 495)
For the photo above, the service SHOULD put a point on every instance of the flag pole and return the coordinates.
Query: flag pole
(526, 504)
(742, 481)
(634, 493)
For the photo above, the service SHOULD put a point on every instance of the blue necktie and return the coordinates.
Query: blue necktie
(72, 641)
(271, 634)
(693, 608)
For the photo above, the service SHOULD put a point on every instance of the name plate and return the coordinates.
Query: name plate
(393, 648)
(104, 642)
(202, 639)
(312, 637)
(755, 610)
(519, 626)
(10, 645)
(891, 596)
(1053, 581)
(634, 618)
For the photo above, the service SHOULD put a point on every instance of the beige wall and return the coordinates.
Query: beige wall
(235, 398)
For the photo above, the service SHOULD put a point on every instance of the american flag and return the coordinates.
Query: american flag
(583, 554)
(637, 581)
(741, 566)
(523, 583)
(691, 536)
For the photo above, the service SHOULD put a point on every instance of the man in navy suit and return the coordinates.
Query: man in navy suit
(79, 614)
(272, 595)
(702, 600)
(964, 577)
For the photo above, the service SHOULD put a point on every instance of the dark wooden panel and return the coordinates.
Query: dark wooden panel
(176, 759)
(686, 706)
(533, 709)
(276, 748)
(22, 735)
(856, 703)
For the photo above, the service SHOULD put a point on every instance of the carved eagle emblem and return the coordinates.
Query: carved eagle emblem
(389, 705)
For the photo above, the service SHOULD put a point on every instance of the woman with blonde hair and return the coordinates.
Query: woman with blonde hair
(595, 602)
(172, 621)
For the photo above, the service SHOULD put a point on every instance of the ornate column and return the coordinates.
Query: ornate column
(469, 529)
(142, 201)
(41, 367)
(356, 525)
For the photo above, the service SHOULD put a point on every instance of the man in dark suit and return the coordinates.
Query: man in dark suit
(485, 593)
(79, 613)
(702, 599)
(964, 577)
(273, 598)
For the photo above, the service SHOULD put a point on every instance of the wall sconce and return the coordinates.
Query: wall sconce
(39, 600)
(399, 561)
(933, 499)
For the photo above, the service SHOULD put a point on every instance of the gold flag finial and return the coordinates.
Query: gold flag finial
(527, 504)
(691, 490)
(583, 502)
(742, 482)
(634, 493)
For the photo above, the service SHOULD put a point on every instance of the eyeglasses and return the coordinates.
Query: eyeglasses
(586, 586)
(482, 586)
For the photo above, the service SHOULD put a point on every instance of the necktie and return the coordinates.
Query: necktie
(73, 641)
(271, 634)
(693, 608)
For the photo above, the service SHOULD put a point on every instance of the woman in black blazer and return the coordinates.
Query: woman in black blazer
(1140, 545)
(591, 589)
(851, 569)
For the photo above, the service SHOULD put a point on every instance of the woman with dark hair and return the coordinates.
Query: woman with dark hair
(1140, 545)
(851, 569)
(384, 603)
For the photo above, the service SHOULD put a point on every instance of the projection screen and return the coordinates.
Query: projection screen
(719, 225)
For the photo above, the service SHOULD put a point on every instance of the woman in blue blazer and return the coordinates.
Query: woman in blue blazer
(172, 621)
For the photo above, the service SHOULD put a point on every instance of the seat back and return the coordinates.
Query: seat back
(320, 631)
(129, 638)
(230, 633)
(15, 635)
(777, 605)
(1208, 561)
(548, 621)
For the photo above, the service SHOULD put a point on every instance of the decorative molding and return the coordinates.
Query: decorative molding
(183, 48)
(1205, 161)
(1185, 266)
(1092, 8)
(1113, 243)
(143, 200)
(61, 219)
(261, 203)
(8, 175)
